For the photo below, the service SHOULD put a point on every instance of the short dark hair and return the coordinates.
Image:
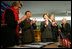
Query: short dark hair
(26, 12)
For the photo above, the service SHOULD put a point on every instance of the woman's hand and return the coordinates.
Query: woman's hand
(53, 23)
(22, 19)
(46, 23)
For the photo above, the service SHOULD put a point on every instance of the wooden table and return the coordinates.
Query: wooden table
(54, 45)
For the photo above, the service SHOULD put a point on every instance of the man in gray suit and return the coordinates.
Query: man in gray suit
(28, 26)
(46, 32)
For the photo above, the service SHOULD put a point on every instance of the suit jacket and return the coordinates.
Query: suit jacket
(46, 32)
(54, 30)
(65, 30)
(27, 31)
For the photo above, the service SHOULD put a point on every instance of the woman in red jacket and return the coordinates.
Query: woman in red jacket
(10, 32)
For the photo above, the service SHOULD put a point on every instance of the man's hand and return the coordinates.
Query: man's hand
(33, 22)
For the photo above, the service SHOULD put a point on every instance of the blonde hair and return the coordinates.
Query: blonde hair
(15, 3)
(45, 14)
(63, 19)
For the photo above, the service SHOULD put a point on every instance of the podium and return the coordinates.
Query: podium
(37, 35)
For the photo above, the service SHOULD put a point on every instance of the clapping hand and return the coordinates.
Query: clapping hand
(23, 18)
(33, 21)
(53, 23)
(46, 23)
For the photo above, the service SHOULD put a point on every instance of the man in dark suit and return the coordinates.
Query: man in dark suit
(27, 29)
(46, 32)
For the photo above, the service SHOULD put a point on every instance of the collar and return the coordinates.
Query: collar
(14, 10)
(50, 20)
